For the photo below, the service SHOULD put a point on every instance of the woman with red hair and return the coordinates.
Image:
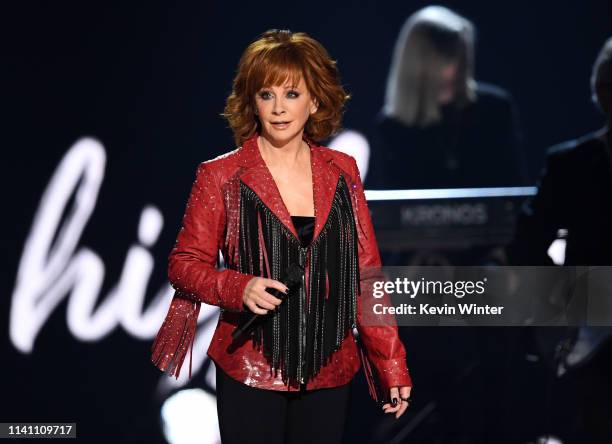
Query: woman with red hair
(277, 200)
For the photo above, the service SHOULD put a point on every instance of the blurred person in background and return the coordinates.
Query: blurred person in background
(574, 191)
(439, 128)
(574, 202)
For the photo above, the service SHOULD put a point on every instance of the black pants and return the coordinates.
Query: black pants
(248, 414)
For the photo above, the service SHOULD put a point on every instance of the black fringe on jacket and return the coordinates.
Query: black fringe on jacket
(300, 336)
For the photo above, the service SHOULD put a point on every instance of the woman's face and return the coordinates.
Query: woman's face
(284, 110)
(447, 76)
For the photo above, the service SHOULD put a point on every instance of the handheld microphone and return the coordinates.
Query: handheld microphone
(292, 278)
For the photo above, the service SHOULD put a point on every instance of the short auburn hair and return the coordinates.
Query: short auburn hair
(275, 57)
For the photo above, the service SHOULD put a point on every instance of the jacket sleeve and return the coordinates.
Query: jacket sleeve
(193, 274)
(192, 262)
(381, 340)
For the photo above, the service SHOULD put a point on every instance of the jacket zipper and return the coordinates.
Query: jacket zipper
(302, 322)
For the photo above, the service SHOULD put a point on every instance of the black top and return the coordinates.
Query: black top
(474, 146)
(304, 225)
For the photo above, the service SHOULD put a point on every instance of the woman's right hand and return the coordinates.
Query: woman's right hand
(257, 299)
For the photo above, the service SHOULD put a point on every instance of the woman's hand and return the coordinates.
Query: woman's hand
(257, 299)
(401, 406)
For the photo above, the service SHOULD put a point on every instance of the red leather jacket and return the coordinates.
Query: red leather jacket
(210, 224)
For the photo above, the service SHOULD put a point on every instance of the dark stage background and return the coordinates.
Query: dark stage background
(147, 81)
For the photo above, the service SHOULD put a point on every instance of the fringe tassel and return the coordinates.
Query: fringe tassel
(175, 336)
(367, 368)
(300, 337)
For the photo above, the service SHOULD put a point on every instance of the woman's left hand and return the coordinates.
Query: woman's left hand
(401, 406)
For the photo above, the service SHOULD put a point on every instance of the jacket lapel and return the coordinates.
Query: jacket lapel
(255, 175)
(325, 177)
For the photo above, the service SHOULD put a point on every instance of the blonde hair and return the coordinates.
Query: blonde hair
(430, 38)
(275, 57)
